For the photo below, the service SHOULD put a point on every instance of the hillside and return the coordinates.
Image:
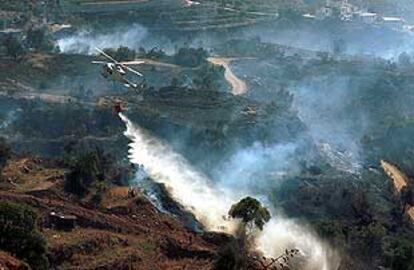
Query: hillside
(129, 234)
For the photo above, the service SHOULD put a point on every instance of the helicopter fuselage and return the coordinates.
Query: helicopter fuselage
(114, 72)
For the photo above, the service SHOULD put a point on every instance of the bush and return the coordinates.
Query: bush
(124, 54)
(232, 256)
(87, 169)
(19, 234)
(191, 57)
(39, 39)
(5, 153)
(121, 54)
(399, 253)
(13, 47)
(83, 174)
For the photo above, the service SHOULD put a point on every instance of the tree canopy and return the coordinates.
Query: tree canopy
(19, 234)
(13, 46)
(250, 211)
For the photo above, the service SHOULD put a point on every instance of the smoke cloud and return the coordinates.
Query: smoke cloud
(249, 168)
(333, 125)
(85, 42)
(210, 202)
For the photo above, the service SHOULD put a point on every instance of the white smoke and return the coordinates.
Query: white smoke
(85, 42)
(333, 123)
(9, 118)
(210, 203)
(281, 233)
(251, 167)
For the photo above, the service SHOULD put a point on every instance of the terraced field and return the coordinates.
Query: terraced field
(170, 15)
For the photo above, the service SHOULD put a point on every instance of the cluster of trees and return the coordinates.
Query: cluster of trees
(208, 77)
(39, 39)
(89, 172)
(253, 47)
(404, 60)
(374, 232)
(36, 39)
(19, 235)
(13, 46)
(121, 54)
(5, 153)
(190, 57)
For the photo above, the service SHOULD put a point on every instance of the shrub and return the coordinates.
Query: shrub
(232, 256)
(5, 153)
(83, 174)
(13, 47)
(19, 234)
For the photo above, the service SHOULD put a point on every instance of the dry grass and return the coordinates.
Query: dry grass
(29, 174)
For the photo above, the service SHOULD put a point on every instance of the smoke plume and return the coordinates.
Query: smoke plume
(85, 42)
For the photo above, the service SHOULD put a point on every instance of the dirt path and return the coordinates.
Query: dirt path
(115, 2)
(145, 61)
(238, 86)
(399, 180)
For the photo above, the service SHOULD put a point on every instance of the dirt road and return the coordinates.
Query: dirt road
(399, 180)
(238, 86)
(145, 61)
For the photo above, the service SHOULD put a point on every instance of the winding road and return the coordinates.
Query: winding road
(238, 86)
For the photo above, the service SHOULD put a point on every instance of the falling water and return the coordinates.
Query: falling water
(210, 204)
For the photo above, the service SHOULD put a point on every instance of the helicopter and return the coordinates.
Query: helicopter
(116, 71)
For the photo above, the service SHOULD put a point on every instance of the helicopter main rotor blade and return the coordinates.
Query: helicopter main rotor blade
(133, 71)
(133, 63)
(99, 62)
(106, 55)
(118, 63)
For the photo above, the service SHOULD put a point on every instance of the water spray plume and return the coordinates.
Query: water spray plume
(210, 203)
(189, 187)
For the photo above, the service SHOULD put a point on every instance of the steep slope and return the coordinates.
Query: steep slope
(131, 235)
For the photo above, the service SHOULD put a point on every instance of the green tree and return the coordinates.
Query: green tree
(39, 39)
(191, 57)
(407, 196)
(35, 38)
(251, 212)
(124, 54)
(83, 174)
(19, 234)
(5, 153)
(13, 47)
(404, 59)
(398, 253)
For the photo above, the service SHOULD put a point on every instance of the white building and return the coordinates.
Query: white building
(368, 17)
(309, 16)
(393, 22)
